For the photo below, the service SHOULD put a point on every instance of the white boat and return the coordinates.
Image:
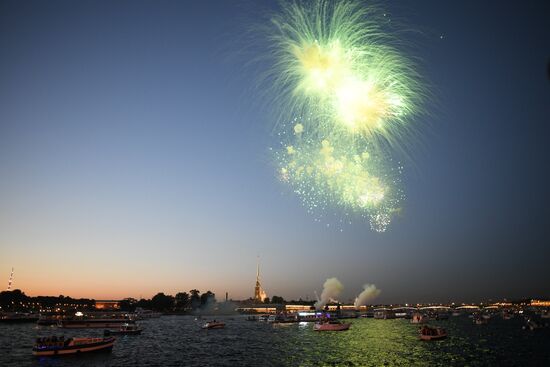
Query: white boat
(214, 325)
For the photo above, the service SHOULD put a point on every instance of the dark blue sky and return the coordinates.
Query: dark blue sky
(129, 135)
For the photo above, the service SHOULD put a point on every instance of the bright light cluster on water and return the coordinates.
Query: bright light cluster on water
(346, 97)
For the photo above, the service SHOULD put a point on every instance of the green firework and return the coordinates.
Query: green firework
(335, 66)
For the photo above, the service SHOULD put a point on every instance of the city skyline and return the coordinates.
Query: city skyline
(134, 159)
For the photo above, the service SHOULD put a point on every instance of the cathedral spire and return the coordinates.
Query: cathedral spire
(259, 293)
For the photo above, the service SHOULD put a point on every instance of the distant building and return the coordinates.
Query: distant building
(540, 303)
(107, 305)
(259, 294)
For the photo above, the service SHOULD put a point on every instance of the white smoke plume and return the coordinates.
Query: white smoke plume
(331, 290)
(369, 293)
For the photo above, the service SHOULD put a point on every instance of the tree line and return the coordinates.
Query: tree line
(17, 300)
(180, 303)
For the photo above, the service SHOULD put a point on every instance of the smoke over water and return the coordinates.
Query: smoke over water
(369, 293)
(331, 290)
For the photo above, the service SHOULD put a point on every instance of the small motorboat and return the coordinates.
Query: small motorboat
(507, 316)
(214, 325)
(126, 329)
(418, 318)
(432, 333)
(53, 346)
(333, 325)
(532, 325)
(480, 320)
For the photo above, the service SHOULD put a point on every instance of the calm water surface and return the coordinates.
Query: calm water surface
(179, 341)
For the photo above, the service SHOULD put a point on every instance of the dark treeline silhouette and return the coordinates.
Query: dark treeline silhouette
(17, 300)
(180, 303)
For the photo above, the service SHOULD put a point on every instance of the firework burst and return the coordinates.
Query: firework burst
(334, 62)
(328, 173)
(345, 94)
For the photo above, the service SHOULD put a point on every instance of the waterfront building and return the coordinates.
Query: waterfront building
(107, 305)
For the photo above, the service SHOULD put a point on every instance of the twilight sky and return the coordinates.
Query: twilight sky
(134, 158)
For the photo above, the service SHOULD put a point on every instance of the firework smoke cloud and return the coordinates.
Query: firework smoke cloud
(369, 293)
(331, 290)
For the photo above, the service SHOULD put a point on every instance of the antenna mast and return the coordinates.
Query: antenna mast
(11, 280)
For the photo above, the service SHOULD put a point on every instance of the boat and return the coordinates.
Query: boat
(17, 317)
(384, 313)
(532, 325)
(142, 314)
(126, 329)
(333, 325)
(480, 321)
(53, 346)
(48, 320)
(214, 325)
(432, 333)
(507, 315)
(418, 318)
(93, 323)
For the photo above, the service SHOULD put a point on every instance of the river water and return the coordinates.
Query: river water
(179, 341)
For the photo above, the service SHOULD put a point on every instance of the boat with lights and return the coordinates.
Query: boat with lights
(54, 346)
